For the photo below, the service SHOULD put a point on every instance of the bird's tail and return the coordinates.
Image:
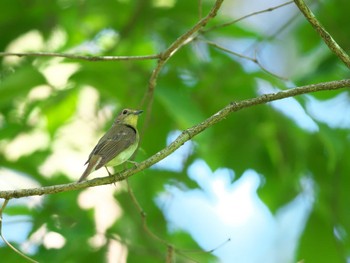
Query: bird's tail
(93, 162)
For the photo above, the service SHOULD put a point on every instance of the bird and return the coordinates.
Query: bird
(117, 145)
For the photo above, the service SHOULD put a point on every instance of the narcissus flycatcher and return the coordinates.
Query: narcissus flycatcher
(117, 145)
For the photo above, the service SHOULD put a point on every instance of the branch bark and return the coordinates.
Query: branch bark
(77, 57)
(171, 50)
(327, 38)
(177, 44)
(247, 16)
(180, 140)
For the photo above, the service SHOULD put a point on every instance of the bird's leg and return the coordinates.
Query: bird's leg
(134, 163)
(108, 171)
(116, 175)
(110, 175)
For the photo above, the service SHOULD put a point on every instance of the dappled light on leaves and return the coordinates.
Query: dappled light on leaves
(243, 142)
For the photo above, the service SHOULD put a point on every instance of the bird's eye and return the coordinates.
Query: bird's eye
(125, 111)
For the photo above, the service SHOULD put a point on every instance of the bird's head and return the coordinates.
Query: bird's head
(128, 116)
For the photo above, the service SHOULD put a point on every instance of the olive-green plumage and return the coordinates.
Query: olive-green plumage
(117, 145)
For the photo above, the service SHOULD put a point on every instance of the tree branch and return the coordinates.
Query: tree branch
(254, 60)
(172, 49)
(178, 43)
(247, 16)
(180, 140)
(327, 38)
(5, 240)
(77, 57)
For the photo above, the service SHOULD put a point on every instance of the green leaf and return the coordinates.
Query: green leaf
(59, 109)
(18, 84)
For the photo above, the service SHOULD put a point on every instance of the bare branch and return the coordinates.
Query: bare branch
(254, 60)
(77, 57)
(5, 240)
(180, 140)
(246, 16)
(171, 50)
(327, 38)
(200, 13)
(144, 217)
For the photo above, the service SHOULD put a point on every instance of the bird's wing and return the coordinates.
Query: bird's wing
(116, 140)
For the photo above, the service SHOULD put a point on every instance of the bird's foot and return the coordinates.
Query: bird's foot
(115, 176)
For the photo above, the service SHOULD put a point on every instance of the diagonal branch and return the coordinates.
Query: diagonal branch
(327, 38)
(172, 49)
(169, 52)
(180, 140)
(247, 16)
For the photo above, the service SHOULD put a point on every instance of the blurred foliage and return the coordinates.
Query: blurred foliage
(195, 83)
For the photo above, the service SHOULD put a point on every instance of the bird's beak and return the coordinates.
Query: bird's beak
(138, 112)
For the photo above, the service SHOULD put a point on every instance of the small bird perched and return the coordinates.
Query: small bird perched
(117, 145)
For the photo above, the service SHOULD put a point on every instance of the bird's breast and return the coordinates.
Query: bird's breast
(123, 156)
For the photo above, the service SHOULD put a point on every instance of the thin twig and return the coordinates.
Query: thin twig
(170, 255)
(180, 140)
(5, 240)
(144, 216)
(246, 16)
(196, 251)
(327, 38)
(254, 60)
(280, 28)
(200, 12)
(77, 57)
(171, 249)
